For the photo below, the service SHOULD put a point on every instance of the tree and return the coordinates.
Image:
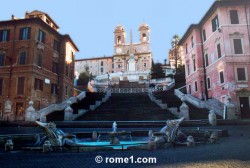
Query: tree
(84, 77)
(157, 71)
(175, 47)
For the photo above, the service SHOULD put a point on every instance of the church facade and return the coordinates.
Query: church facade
(139, 53)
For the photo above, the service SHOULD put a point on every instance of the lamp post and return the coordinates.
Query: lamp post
(108, 80)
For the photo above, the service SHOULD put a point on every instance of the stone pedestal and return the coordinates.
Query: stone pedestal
(114, 140)
(229, 111)
(184, 111)
(190, 141)
(30, 113)
(212, 118)
(46, 146)
(94, 136)
(68, 112)
(131, 65)
(9, 145)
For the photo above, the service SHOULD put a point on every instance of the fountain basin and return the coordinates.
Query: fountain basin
(122, 145)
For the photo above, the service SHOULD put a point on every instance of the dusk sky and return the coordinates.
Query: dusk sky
(91, 23)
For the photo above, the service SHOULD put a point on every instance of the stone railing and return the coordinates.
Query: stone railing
(189, 98)
(210, 104)
(41, 114)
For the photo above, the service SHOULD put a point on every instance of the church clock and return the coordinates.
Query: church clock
(118, 50)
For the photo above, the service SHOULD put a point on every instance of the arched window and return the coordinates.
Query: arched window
(144, 37)
(119, 40)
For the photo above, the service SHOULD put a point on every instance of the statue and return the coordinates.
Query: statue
(8, 105)
(114, 127)
(56, 136)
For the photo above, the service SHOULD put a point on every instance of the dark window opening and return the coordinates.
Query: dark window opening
(208, 83)
(234, 17)
(192, 41)
(56, 45)
(41, 36)
(218, 50)
(24, 33)
(20, 86)
(22, 59)
(38, 84)
(194, 64)
(221, 77)
(195, 86)
(186, 49)
(215, 23)
(53, 88)
(1, 87)
(2, 59)
(55, 67)
(206, 60)
(39, 59)
(4, 35)
(204, 35)
(241, 74)
(238, 46)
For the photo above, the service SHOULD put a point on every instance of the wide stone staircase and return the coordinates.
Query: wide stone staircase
(127, 107)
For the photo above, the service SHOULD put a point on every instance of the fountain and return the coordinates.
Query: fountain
(167, 136)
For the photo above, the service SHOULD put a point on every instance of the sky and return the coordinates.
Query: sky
(91, 23)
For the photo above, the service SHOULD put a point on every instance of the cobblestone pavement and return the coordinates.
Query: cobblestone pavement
(232, 151)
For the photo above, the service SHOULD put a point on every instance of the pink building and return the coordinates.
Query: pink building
(217, 55)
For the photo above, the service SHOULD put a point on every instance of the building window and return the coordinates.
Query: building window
(20, 86)
(237, 46)
(145, 64)
(234, 17)
(218, 50)
(1, 87)
(221, 77)
(2, 59)
(208, 83)
(66, 90)
(241, 74)
(101, 70)
(101, 63)
(194, 64)
(195, 86)
(186, 48)
(189, 89)
(56, 45)
(38, 84)
(119, 66)
(188, 72)
(39, 60)
(192, 41)
(204, 35)
(119, 40)
(24, 33)
(215, 23)
(206, 60)
(54, 67)
(4, 35)
(41, 36)
(22, 58)
(53, 89)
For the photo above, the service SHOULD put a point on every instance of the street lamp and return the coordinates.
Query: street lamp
(108, 80)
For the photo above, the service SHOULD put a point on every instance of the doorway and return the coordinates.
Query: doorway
(244, 107)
